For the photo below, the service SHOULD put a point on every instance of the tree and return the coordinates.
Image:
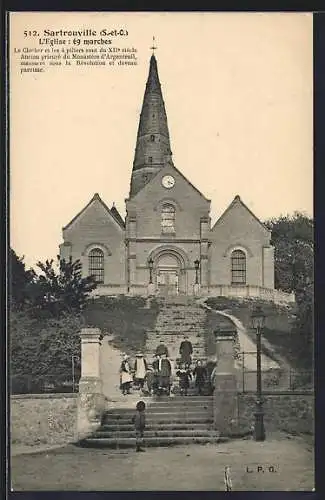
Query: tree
(19, 280)
(292, 237)
(61, 287)
(41, 350)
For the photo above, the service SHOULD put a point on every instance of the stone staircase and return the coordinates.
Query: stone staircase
(178, 317)
(169, 421)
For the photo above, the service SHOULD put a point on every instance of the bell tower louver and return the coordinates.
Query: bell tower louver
(152, 150)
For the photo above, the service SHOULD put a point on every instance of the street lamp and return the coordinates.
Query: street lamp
(197, 265)
(258, 322)
(150, 262)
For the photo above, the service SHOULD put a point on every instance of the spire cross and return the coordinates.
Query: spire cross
(153, 48)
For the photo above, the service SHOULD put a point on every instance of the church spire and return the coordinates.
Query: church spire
(152, 150)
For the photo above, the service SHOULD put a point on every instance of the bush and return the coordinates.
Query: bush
(41, 350)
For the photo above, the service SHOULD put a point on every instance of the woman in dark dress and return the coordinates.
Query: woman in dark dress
(164, 372)
(200, 374)
(184, 374)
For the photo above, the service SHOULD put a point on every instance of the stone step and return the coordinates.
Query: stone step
(172, 410)
(197, 343)
(172, 337)
(205, 410)
(161, 407)
(154, 342)
(188, 400)
(153, 346)
(162, 418)
(157, 427)
(181, 323)
(182, 402)
(129, 442)
(183, 310)
(157, 433)
(172, 331)
(179, 332)
(171, 340)
(184, 323)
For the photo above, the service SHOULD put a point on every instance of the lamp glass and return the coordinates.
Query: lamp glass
(258, 318)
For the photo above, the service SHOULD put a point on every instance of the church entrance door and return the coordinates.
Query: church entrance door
(167, 281)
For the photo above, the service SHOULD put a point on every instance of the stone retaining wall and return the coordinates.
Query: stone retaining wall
(289, 413)
(49, 419)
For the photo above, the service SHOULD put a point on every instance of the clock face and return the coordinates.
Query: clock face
(168, 181)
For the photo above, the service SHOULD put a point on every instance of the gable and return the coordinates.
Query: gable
(94, 215)
(238, 221)
(181, 192)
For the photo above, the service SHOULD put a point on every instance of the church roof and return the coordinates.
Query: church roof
(152, 149)
(113, 213)
(117, 216)
(237, 200)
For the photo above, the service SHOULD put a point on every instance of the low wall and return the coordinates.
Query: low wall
(276, 296)
(292, 413)
(43, 419)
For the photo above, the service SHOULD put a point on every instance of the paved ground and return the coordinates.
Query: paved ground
(287, 464)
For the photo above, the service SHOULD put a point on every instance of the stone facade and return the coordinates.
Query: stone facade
(166, 244)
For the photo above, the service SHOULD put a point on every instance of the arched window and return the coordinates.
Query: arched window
(238, 267)
(168, 219)
(96, 264)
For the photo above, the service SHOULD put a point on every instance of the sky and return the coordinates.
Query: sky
(238, 94)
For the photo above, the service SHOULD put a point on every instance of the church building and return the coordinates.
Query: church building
(167, 244)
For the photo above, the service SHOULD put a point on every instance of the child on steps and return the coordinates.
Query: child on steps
(184, 374)
(139, 421)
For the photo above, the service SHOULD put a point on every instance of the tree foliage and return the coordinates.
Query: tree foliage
(41, 350)
(293, 239)
(60, 287)
(45, 321)
(19, 280)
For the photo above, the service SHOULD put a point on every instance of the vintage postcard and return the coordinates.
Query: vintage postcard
(161, 252)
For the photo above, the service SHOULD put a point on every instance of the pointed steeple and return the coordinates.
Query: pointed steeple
(152, 150)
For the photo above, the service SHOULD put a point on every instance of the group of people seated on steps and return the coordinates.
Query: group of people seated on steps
(157, 378)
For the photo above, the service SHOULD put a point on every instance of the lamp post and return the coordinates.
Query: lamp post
(197, 265)
(150, 262)
(258, 322)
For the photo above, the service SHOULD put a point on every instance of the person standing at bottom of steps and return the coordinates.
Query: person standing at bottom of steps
(139, 421)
